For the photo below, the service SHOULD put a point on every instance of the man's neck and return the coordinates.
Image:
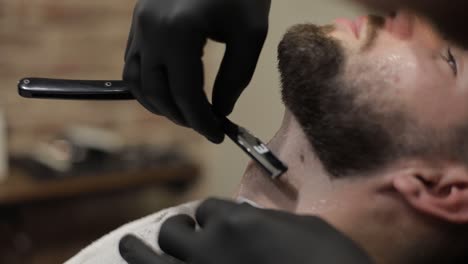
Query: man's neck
(292, 147)
(307, 189)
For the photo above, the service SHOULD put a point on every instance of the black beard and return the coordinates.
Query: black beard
(347, 138)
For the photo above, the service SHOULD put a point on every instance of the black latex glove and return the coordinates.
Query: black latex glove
(163, 59)
(233, 234)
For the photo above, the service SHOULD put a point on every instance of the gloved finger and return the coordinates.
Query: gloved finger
(132, 75)
(212, 209)
(186, 81)
(237, 68)
(129, 43)
(131, 35)
(135, 251)
(177, 237)
(155, 89)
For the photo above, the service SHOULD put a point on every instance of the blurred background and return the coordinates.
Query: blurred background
(72, 171)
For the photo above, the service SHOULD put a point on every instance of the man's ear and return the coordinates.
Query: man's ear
(440, 192)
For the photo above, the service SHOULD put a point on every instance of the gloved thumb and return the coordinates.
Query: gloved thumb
(236, 71)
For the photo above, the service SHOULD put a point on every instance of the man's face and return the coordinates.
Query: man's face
(375, 90)
(411, 62)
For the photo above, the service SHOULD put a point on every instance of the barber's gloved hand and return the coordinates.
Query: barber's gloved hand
(163, 59)
(231, 234)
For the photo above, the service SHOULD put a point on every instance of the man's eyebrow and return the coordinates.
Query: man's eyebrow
(448, 41)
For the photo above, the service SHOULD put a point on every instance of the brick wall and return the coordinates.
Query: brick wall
(69, 39)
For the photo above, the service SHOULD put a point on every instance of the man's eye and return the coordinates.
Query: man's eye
(450, 59)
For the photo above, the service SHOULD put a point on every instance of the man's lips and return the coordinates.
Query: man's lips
(354, 25)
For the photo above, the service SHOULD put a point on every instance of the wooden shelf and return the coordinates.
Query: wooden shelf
(19, 188)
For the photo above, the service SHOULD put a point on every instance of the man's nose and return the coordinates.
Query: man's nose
(401, 25)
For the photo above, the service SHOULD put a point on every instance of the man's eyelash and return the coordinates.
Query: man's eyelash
(450, 59)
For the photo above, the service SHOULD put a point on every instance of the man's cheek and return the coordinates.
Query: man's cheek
(437, 104)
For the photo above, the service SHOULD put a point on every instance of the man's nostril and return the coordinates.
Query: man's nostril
(392, 14)
(402, 25)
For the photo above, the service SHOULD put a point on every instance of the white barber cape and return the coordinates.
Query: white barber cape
(106, 249)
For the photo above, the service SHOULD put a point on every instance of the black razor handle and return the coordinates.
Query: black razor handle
(73, 89)
(118, 90)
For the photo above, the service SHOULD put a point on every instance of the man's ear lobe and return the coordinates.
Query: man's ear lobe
(442, 194)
